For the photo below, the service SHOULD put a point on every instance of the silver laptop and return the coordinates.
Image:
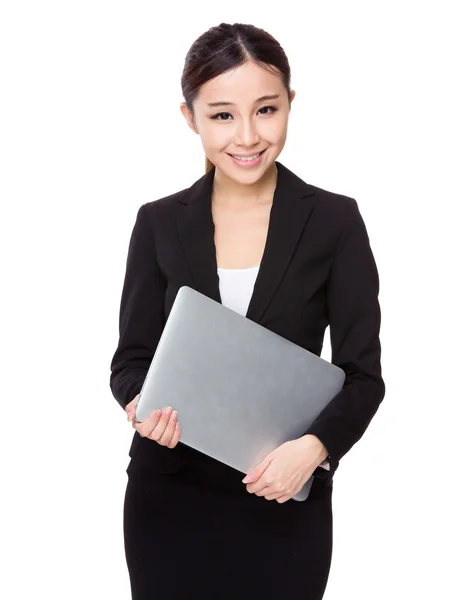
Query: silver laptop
(241, 390)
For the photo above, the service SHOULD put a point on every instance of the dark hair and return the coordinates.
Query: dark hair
(225, 47)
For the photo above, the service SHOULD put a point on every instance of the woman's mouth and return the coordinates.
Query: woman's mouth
(248, 161)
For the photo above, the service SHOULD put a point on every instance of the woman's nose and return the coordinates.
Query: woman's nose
(246, 133)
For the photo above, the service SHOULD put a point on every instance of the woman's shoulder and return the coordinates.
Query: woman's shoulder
(167, 205)
(331, 202)
(335, 206)
(164, 204)
(329, 197)
(161, 212)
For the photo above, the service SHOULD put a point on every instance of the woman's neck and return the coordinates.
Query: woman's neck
(229, 193)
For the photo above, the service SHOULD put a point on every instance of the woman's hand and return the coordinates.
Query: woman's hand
(285, 470)
(161, 426)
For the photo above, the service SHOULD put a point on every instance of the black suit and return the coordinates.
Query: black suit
(317, 270)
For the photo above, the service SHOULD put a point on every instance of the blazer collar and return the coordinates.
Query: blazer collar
(288, 216)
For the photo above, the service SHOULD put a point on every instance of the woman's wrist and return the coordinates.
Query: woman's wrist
(321, 452)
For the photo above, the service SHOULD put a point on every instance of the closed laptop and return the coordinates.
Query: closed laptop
(241, 390)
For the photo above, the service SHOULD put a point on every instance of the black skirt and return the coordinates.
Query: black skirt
(197, 533)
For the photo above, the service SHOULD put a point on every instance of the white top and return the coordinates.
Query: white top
(236, 289)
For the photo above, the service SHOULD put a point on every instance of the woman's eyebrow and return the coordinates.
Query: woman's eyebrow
(267, 97)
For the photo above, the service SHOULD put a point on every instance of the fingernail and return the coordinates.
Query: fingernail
(174, 415)
(168, 410)
(247, 479)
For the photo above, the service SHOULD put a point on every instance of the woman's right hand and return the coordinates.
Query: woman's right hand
(161, 426)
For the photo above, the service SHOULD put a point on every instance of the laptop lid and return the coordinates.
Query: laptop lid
(241, 390)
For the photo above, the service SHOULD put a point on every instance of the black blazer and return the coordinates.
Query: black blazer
(317, 270)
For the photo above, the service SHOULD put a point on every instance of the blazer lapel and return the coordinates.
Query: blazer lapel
(196, 231)
(288, 216)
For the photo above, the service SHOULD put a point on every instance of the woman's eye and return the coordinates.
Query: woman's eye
(218, 115)
(263, 108)
(271, 108)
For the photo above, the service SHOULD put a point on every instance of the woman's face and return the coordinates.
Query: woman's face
(232, 118)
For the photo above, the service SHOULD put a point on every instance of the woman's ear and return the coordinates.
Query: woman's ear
(189, 117)
(293, 94)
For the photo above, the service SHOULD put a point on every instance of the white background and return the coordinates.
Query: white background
(91, 129)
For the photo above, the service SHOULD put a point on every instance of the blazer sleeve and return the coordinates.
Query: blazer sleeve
(354, 319)
(141, 315)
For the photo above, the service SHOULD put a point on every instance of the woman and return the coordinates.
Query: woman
(292, 257)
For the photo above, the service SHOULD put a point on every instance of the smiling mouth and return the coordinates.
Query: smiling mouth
(247, 158)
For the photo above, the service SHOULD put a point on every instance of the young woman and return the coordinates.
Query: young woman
(292, 257)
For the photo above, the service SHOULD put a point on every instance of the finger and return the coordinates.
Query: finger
(168, 433)
(148, 425)
(176, 436)
(130, 412)
(160, 427)
(261, 484)
(270, 490)
(131, 408)
(144, 427)
(274, 495)
(254, 474)
(265, 491)
(283, 499)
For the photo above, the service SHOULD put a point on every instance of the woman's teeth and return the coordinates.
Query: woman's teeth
(246, 158)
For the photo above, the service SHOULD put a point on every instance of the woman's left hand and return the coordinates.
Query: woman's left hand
(285, 470)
